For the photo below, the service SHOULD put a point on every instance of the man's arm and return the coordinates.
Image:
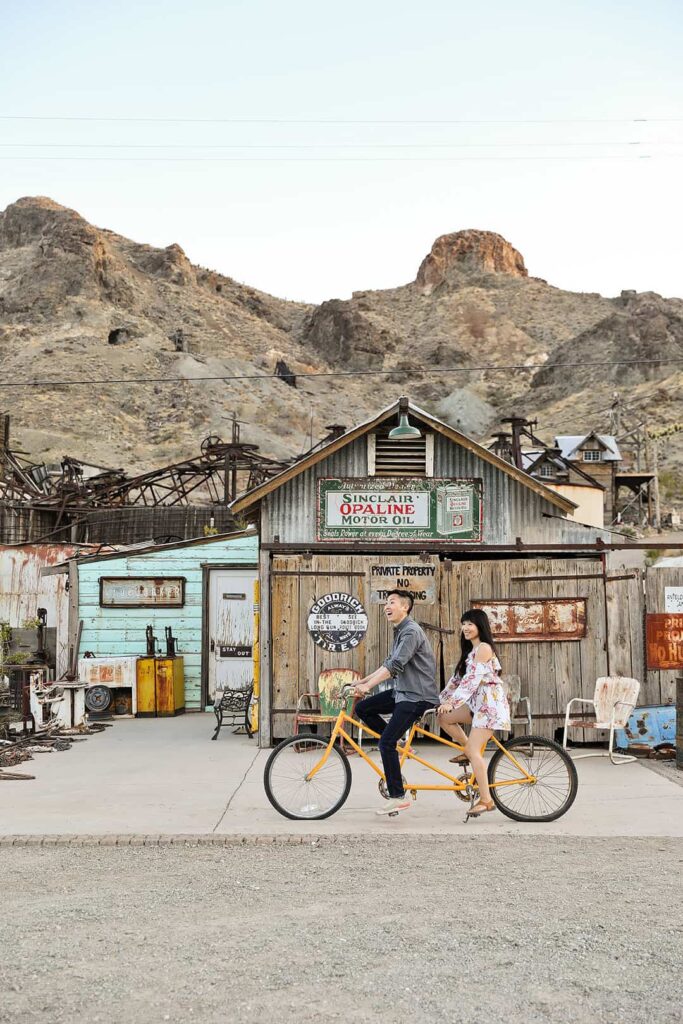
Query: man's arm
(395, 663)
(374, 679)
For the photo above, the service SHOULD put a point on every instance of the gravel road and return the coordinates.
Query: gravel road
(424, 929)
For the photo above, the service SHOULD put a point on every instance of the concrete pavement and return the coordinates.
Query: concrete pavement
(161, 777)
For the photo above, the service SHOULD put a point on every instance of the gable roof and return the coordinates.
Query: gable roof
(250, 498)
(533, 459)
(569, 445)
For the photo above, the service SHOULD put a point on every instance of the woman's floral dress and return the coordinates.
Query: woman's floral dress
(482, 691)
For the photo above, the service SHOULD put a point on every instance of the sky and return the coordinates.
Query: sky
(314, 149)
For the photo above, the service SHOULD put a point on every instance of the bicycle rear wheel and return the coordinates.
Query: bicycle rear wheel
(292, 793)
(549, 796)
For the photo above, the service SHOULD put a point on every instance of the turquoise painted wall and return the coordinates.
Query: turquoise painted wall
(121, 631)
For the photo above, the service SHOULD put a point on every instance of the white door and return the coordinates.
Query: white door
(231, 629)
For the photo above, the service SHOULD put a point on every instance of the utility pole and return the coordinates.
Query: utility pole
(655, 486)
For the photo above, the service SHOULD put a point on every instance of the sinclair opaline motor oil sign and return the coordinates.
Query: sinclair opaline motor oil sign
(385, 509)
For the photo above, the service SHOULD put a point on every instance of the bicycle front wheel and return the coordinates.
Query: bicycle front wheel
(555, 782)
(288, 787)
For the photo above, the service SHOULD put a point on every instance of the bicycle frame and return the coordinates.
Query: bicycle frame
(456, 785)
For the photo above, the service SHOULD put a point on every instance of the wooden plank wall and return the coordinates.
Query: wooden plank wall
(297, 582)
(111, 632)
(551, 672)
(661, 686)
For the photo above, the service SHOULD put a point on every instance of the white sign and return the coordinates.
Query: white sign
(389, 509)
(418, 578)
(337, 622)
(673, 599)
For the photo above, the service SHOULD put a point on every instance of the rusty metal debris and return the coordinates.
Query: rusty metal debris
(215, 476)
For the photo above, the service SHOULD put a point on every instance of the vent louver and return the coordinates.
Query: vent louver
(407, 457)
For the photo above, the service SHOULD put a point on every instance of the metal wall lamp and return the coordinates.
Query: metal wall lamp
(404, 430)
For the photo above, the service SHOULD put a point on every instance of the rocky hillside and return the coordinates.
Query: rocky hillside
(81, 302)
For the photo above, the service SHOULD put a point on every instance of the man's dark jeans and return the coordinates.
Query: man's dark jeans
(403, 714)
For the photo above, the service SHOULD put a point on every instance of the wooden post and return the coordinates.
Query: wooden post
(265, 736)
(72, 620)
(655, 485)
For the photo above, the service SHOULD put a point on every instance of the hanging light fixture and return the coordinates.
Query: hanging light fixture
(404, 430)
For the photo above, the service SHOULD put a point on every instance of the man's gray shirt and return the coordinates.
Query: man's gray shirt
(412, 664)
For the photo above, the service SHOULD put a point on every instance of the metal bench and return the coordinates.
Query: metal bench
(235, 704)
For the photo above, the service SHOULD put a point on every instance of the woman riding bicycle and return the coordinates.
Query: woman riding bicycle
(475, 695)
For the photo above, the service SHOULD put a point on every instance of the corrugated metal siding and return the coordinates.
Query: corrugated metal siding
(510, 509)
(23, 590)
(121, 631)
(290, 511)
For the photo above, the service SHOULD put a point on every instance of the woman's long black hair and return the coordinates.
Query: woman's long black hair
(481, 621)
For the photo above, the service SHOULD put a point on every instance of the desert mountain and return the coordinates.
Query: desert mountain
(80, 302)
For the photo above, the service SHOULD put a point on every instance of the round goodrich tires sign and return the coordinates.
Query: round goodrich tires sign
(337, 622)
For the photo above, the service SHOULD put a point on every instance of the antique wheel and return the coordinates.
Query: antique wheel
(98, 699)
(287, 787)
(555, 786)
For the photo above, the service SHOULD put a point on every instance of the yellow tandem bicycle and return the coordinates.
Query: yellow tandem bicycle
(309, 777)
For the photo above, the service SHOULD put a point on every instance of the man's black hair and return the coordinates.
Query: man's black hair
(403, 593)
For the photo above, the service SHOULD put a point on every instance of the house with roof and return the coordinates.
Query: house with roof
(599, 455)
(570, 479)
(404, 500)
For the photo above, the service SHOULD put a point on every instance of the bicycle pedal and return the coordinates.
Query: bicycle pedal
(392, 814)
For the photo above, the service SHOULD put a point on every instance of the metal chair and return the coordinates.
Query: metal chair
(512, 685)
(331, 682)
(614, 699)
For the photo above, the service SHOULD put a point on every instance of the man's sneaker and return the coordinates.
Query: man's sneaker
(395, 805)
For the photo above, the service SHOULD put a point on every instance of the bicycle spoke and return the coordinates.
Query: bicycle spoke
(549, 794)
(291, 789)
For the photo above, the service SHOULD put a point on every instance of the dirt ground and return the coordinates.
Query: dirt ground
(427, 929)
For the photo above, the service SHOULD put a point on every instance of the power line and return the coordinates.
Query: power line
(340, 121)
(328, 145)
(490, 368)
(331, 160)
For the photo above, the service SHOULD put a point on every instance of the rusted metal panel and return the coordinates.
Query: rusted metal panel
(664, 641)
(536, 620)
(23, 589)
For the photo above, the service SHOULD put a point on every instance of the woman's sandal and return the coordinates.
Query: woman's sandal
(481, 808)
(459, 759)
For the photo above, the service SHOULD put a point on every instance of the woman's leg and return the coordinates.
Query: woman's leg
(475, 744)
(450, 723)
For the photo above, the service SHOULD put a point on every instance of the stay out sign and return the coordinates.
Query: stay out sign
(664, 641)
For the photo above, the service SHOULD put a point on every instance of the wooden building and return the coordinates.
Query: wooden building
(458, 525)
(202, 589)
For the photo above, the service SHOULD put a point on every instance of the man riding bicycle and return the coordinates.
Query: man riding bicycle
(412, 667)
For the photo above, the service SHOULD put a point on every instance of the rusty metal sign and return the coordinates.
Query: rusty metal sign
(539, 619)
(417, 577)
(378, 508)
(664, 641)
(142, 591)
